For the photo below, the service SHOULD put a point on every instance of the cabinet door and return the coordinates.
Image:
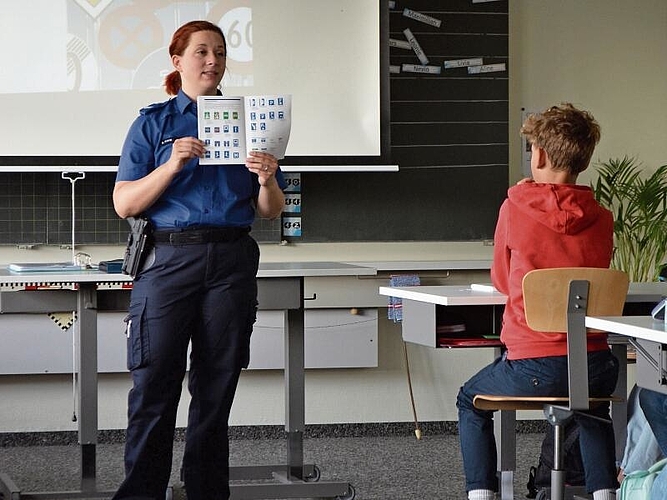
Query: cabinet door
(34, 343)
(334, 338)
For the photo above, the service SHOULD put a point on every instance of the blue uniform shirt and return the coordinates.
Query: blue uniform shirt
(206, 195)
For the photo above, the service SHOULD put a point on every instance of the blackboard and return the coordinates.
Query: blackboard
(449, 136)
(453, 204)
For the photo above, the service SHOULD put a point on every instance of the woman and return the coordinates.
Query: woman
(198, 284)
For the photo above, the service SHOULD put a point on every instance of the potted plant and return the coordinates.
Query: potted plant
(638, 200)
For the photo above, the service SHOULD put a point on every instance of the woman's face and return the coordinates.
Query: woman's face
(202, 64)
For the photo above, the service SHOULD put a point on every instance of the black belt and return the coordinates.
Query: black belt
(200, 235)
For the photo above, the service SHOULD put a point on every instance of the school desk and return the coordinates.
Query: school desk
(482, 306)
(280, 287)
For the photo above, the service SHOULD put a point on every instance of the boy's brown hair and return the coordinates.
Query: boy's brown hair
(567, 134)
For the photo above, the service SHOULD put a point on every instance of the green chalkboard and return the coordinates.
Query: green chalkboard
(448, 134)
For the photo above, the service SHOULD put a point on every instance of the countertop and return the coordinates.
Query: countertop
(381, 256)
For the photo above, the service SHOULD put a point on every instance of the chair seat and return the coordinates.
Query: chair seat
(502, 402)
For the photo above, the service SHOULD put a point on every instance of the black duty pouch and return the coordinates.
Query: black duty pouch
(137, 248)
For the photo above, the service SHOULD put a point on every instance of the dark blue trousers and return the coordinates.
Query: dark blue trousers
(206, 295)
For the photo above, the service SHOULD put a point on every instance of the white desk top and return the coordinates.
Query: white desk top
(394, 257)
(296, 269)
(647, 292)
(449, 295)
(641, 327)
(11, 278)
(266, 270)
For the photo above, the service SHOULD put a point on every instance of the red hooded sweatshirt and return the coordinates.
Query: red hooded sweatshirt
(539, 226)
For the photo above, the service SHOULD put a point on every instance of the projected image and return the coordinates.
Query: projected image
(120, 45)
(84, 69)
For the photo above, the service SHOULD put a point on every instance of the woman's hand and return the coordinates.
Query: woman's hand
(185, 149)
(262, 164)
(131, 198)
(271, 200)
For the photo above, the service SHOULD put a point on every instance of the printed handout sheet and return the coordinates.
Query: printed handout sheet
(234, 126)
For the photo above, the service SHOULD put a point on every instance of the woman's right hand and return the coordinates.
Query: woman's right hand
(132, 198)
(184, 150)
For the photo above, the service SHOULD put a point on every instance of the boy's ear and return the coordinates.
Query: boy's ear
(542, 158)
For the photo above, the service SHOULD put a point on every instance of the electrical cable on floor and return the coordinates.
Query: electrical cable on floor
(418, 431)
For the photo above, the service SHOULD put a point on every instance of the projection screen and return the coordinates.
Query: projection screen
(75, 73)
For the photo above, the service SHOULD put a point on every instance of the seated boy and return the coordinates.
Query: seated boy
(546, 221)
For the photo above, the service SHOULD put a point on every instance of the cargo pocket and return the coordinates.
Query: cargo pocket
(136, 330)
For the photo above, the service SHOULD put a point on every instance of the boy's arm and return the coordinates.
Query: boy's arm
(500, 268)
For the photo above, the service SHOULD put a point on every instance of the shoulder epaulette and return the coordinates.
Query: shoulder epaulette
(154, 108)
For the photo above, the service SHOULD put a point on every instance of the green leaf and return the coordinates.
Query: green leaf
(638, 200)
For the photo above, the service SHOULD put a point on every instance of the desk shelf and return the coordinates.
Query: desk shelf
(421, 321)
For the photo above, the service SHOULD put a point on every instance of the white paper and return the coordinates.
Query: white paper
(400, 44)
(234, 126)
(486, 68)
(418, 16)
(416, 68)
(483, 287)
(415, 46)
(462, 63)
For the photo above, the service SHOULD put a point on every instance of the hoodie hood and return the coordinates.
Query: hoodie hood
(564, 208)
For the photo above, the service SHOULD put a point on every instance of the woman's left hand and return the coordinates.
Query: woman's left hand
(262, 164)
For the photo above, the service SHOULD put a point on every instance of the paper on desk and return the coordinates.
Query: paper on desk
(483, 287)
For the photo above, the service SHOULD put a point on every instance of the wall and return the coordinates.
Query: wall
(606, 56)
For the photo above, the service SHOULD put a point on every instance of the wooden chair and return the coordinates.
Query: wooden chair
(558, 300)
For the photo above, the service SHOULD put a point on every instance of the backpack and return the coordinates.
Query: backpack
(637, 485)
(540, 477)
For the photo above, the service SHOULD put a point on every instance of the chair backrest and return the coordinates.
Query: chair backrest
(546, 291)
(559, 299)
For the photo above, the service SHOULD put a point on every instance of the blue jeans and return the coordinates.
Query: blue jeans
(537, 377)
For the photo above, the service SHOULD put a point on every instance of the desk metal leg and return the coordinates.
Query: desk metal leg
(504, 423)
(86, 339)
(295, 392)
(87, 398)
(295, 479)
(619, 411)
